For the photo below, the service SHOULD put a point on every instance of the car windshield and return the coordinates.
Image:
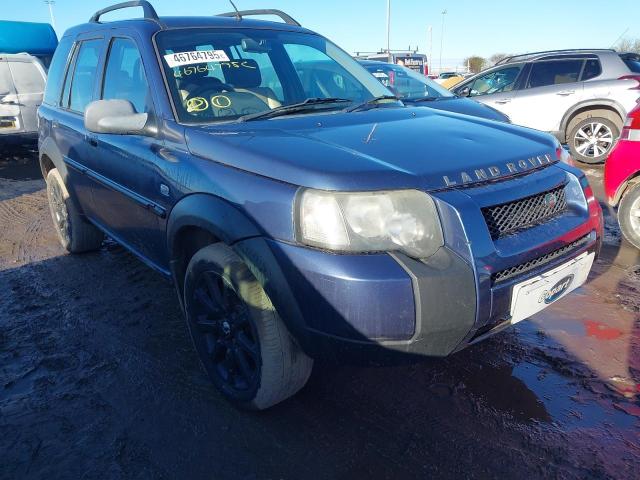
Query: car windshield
(406, 83)
(220, 75)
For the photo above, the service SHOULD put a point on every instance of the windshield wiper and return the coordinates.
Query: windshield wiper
(293, 108)
(370, 102)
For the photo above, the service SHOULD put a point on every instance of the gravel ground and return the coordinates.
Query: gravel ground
(98, 379)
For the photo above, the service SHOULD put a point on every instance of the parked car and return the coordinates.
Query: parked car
(295, 225)
(622, 178)
(416, 89)
(580, 96)
(22, 81)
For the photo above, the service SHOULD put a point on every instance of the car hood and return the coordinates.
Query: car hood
(381, 148)
(466, 107)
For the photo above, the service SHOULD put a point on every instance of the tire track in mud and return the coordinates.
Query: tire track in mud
(25, 234)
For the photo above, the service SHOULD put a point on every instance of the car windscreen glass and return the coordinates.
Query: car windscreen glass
(28, 77)
(632, 61)
(216, 75)
(406, 83)
(6, 82)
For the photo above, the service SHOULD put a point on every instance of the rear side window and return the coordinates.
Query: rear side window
(554, 73)
(27, 77)
(124, 76)
(592, 69)
(632, 61)
(84, 75)
(56, 72)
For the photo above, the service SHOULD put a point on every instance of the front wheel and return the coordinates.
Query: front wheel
(629, 216)
(243, 344)
(592, 139)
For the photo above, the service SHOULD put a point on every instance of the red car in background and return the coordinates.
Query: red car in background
(622, 178)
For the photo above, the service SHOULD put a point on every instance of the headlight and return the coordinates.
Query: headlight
(403, 220)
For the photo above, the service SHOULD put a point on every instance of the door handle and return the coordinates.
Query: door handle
(55, 124)
(503, 101)
(93, 141)
(564, 93)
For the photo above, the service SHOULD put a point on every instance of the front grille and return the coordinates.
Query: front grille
(508, 273)
(509, 218)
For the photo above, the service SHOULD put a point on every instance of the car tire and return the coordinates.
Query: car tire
(592, 139)
(629, 216)
(76, 234)
(243, 344)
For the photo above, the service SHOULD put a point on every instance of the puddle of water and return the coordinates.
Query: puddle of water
(567, 402)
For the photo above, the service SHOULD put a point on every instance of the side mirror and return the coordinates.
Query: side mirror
(116, 117)
(464, 92)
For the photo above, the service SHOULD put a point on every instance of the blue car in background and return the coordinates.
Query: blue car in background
(416, 89)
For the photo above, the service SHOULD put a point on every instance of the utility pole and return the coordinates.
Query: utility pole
(389, 30)
(51, 3)
(444, 12)
(430, 60)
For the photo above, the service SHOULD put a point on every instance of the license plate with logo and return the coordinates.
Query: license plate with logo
(535, 294)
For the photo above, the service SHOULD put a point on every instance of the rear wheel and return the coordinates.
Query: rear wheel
(76, 234)
(592, 139)
(243, 344)
(629, 216)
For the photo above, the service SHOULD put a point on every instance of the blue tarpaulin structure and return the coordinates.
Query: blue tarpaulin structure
(38, 39)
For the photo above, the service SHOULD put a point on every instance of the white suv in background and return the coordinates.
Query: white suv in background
(22, 80)
(581, 96)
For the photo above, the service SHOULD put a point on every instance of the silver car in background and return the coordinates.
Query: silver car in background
(22, 80)
(580, 96)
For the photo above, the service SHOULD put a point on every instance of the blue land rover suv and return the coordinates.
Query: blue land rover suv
(299, 207)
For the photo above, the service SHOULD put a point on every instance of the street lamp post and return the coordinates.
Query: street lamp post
(51, 3)
(389, 30)
(444, 12)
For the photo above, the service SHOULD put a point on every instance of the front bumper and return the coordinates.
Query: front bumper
(433, 307)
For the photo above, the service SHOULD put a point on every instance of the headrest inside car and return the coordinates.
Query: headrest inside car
(242, 73)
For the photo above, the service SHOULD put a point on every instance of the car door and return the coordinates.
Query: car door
(552, 87)
(10, 119)
(67, 127)
(28, 78)
(495, 88)
(129, 201)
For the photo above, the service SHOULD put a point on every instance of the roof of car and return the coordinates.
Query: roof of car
(169, 23)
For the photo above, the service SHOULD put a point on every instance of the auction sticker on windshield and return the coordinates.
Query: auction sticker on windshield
(198, 56)
(535, 294)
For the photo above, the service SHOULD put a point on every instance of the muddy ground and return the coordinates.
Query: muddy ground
(98, 379)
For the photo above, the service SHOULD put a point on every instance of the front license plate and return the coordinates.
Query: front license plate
(537, 293)
(7, 124)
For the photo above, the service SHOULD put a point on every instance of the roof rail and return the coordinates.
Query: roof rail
(147, 8)
(246, 13)
(545, 52)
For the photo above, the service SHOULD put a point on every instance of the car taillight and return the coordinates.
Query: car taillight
(631, 129)
(632, 77)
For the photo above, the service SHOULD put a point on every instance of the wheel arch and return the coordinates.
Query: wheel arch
(50, 157)
(199, 220)
(629, 183)
(610, 109)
